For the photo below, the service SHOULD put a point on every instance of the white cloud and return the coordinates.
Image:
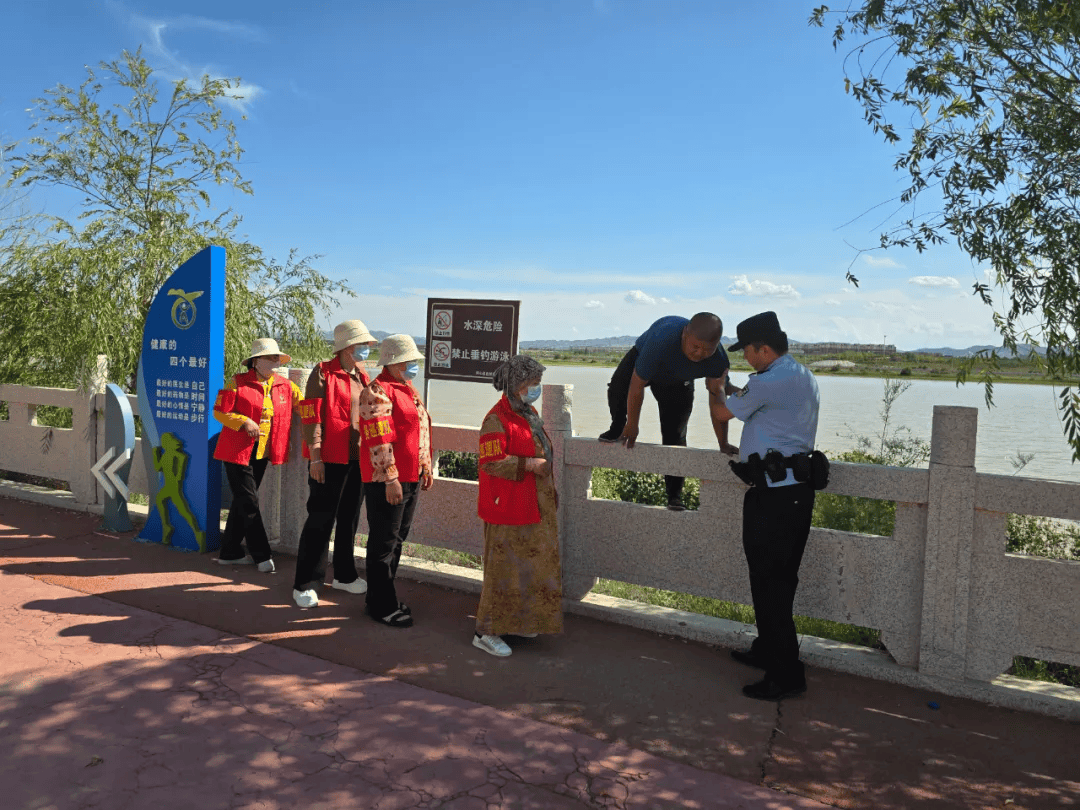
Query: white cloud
(741, 285)
(167, 61)
(832, 302)
(638, 297)
(880, 261)
(594, 305)
(934, 281)
(886, 307)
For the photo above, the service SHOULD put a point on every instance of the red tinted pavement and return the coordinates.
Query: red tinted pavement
(136, 676)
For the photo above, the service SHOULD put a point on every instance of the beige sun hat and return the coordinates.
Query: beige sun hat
(349, 334)
(260, 347)
(398, 349)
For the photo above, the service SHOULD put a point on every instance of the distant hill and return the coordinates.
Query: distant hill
(1023, 350)
(620, 342)
(375, 333)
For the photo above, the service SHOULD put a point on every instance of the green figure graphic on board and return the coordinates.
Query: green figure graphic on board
(171, 462)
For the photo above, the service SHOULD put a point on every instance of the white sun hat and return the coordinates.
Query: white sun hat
(349, 334)
(398, 349)
(261, 347)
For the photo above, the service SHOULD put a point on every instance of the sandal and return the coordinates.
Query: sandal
(396, 619)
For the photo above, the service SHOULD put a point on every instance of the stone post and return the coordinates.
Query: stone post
(84, 429)
(558, 406)
(950, 528)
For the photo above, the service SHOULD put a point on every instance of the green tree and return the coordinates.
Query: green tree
(142, 167)
(984, 97)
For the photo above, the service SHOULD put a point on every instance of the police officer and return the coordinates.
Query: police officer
(779, 407)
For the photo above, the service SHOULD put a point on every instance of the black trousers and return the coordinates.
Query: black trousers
(388, 529)
(675, 401)
(776, 524)
(245, 519)
(332, 505)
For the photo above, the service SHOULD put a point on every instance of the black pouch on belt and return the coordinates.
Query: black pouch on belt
(819, 470)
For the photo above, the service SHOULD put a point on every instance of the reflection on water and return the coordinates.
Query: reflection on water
(1024, 417)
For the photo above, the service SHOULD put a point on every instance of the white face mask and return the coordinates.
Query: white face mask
(532, 394)
(265, 365)
(360, 353)
(410, 370)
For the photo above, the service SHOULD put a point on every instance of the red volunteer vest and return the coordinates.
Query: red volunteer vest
(332, 410)
(507, 503)
(401, 430)
(247, 399)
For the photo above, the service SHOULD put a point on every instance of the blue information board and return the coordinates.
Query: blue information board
(180, 370)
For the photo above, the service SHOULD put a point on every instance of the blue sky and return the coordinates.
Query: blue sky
(607, 162)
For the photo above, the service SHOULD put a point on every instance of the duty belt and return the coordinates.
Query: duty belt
(810, 467)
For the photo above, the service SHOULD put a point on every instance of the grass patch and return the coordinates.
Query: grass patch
(445, 556)
(1035, 670)
(733, 611)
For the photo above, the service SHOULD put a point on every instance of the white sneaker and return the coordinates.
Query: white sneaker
(357, 586)
(245, 560)
(267, 566)
(491, 644)
(306, 599)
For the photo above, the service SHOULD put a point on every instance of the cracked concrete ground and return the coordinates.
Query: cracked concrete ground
(135, 675)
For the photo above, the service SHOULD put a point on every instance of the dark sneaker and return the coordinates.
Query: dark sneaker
(770, 689)
(676, 505)
(749, 658)
(610, 436)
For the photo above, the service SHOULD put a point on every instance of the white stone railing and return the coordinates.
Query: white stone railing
(952, 606)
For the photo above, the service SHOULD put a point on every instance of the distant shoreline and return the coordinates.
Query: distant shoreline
(923, 367)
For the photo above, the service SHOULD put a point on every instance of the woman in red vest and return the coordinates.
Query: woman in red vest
(256, 408)
(330, 414)
(522, 593)
(396, 462)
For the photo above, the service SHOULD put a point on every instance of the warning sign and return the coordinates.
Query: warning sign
(468, 339)
(442, 323)
(440, 353)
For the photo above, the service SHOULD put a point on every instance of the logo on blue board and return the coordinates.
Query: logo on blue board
(183, 310)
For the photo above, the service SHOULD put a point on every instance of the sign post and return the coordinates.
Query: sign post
(180, 370)
(112, 469)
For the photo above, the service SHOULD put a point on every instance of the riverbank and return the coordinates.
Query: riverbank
(906, 365)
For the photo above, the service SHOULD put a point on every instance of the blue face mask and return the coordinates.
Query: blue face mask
(532, 394)
(360, 353)
(411, 370)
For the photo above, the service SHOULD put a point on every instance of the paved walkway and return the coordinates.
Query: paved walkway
(137, 676)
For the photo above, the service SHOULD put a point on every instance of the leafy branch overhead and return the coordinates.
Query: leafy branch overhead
(142, 163)
(983, 97)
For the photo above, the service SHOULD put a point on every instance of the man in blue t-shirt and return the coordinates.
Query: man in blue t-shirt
(667, 359)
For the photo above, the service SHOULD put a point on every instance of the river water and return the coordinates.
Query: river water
(1024, 418)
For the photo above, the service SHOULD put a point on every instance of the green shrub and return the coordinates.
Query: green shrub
(638, 487)
(458, 465)
(1042, 537)
(853, 514)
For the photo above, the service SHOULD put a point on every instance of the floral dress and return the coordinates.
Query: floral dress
(522, 573)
